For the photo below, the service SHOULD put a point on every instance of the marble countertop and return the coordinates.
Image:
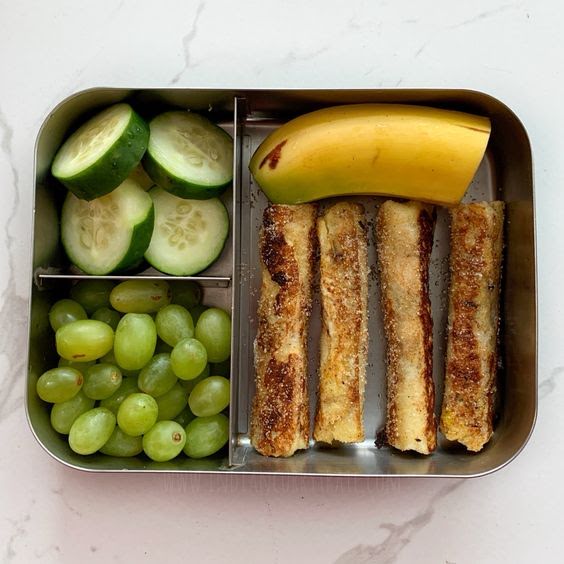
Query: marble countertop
(512, 50)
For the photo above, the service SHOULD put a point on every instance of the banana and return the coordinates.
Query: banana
(414, 152)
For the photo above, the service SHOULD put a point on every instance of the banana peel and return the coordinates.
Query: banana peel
(403, 151)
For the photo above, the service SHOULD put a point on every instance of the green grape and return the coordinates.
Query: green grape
(210, 396)
(91, 430)
(174, 323)
(188, 359)
(157, 377)
(64, 414)
(84, 340)
(128, 387)
(65, 311)
(107, 315)
(213, 330)
(172, 403)
(110, 358)
(196, 311)
(140, 296)
(184, 417)
(59, 384)
(206, 435)
(137, 414)
(221, 368)
(187, 294)
(135, 341)
(120, 444)
(188, 385)
(101, 381)
(162, 347)
(80, 366)
(92, 294)
(164, 441)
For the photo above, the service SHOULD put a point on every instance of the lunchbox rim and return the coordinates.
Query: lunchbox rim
(241, 91)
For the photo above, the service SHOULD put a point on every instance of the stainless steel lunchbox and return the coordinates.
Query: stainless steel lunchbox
(233, 283)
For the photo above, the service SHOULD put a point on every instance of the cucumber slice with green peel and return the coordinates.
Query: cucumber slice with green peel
(102, 152)
(139, 175)
(189, 156)
(110, 233)
(189, 235)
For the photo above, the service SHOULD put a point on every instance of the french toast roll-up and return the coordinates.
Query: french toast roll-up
(343, 265)
(404, 234)
(476, 242)
(280, 411)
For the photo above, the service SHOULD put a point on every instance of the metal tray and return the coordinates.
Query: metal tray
(232, 282)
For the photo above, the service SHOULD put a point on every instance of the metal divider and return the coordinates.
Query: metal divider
(239, 112)
(204, 281)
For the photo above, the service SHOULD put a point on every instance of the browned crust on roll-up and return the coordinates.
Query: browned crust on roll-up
(405, 238)
(280, 412)
(473, 320)
(344, 334)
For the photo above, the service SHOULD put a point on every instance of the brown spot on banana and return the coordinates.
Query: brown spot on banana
(273, 157)
(375, 157)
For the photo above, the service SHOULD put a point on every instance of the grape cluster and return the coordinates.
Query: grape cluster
(143, 367)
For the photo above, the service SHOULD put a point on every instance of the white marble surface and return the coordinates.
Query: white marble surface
(512, 50)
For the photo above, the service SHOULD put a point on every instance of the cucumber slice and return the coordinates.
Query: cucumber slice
(139, 175)
(110, 233)
(189, 156)
(189, 234)
(101, 153)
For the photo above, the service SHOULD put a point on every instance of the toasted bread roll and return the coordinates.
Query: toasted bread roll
(473, 318)
(344, 334)
(280, 412)
(404, 241)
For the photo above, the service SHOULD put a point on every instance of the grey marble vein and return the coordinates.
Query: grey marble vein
(479, 17)
(498, 69)
(118, 7)
(486, 14)
(6, 145)
(295, 56)
(363, 24)
(13, 311)
(19, 530)
(187, 43)
(61, 494)
(399, 535)
(548, 385)
(422, 48)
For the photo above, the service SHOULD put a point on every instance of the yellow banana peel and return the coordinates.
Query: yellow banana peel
(414, 152)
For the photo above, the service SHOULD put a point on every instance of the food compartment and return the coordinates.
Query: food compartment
(504, 173)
